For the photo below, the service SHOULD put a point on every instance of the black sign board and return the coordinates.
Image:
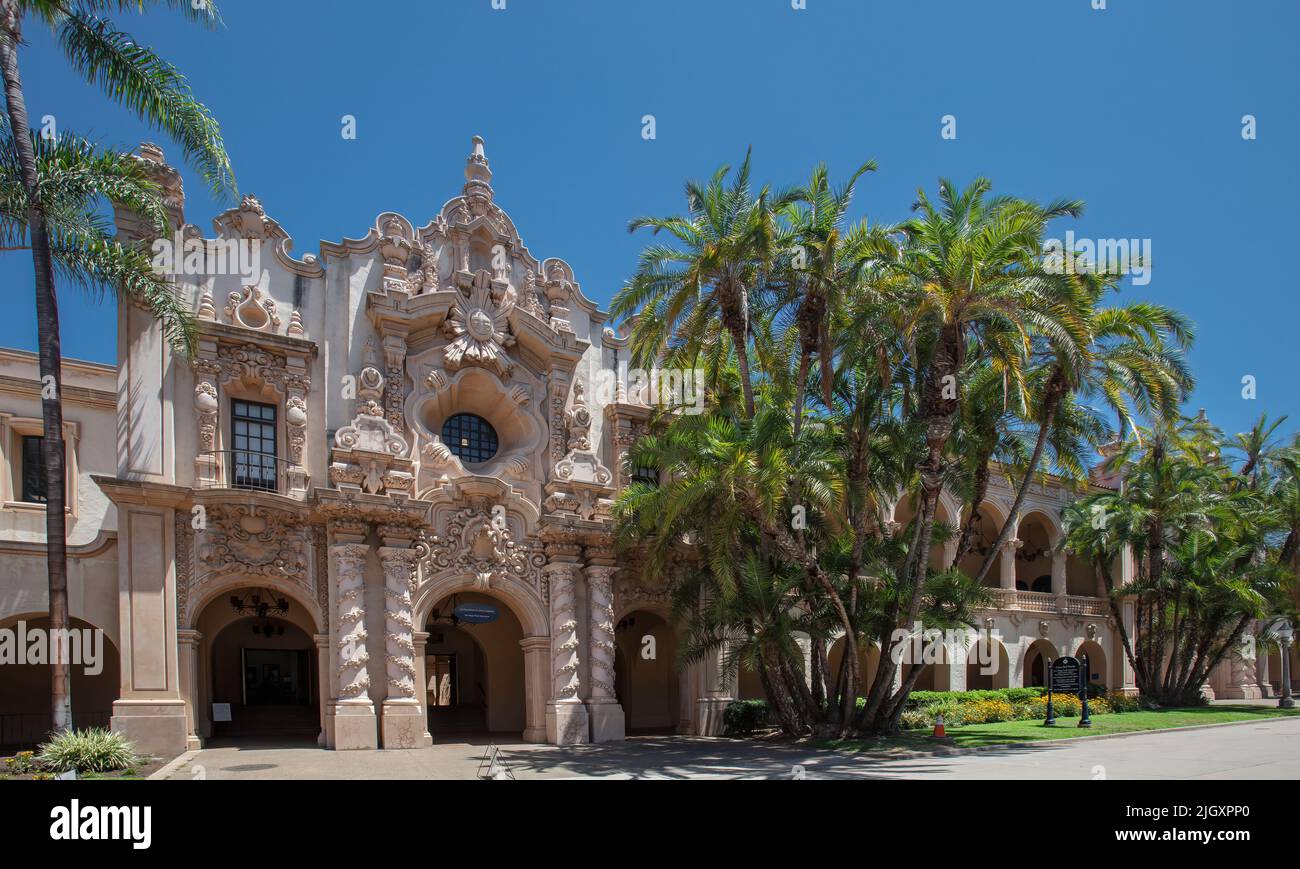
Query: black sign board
(1067, 676)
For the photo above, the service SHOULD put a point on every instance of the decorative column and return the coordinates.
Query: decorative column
(325, 738)
(537, 679)
(1058, 573)
(207, 404)
(1007, 564)
(566, 717)
(353, 710)
(401, 724)
(188, 642)
(421, 639)
(607, 720)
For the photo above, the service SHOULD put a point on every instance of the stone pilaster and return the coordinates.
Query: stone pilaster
(421, 639)
(188, 642)
(401, 724)
(607, 719)
(353, 710)
(1059, 586)
(1007, 564)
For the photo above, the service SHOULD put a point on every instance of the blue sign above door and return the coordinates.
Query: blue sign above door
(476, 613)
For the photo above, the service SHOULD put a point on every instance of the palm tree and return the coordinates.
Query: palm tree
(726, 238)
(974, 268)
(824, 262)
(156, 92)
(1131, 353)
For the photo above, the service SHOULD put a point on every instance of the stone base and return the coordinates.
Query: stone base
(607, 721)
(708, 715)
(158, 728)
(1242, 692)
(567, 723)
(534, 734)
(354, 726)
(402, 725)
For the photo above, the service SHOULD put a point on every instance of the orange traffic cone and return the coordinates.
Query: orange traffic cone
(938, 727)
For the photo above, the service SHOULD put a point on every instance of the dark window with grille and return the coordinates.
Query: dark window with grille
(645, 474)
(252, 434)
(470, 437)
(34, 491)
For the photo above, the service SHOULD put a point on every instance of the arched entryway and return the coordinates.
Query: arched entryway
(474, 667)
(1096, 661)
(1036, 658)
(94, 683)
(936, 666)
(987, 665)
(259, 668)
(646, 678)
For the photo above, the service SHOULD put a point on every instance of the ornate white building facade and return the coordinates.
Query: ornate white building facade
(375, 508)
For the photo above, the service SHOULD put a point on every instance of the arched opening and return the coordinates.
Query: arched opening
(1034, 557)
(987, 666)
(260, 668)
(473, 667)
(905, 512)
(1096, 661)
(93, 675)
(1036, 658)
(646, 679)
(936, 667)
(987, 527)
(868, 660)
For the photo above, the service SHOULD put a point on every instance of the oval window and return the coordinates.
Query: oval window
(470, 438)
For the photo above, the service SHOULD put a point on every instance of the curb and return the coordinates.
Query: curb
(171, 766)
(946, 750)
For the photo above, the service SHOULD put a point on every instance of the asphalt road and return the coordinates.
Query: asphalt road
(1257, 750)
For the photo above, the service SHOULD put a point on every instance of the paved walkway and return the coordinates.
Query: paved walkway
(1258, 750)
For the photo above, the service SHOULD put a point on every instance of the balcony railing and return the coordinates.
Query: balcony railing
(1043, 602)
(241, 469)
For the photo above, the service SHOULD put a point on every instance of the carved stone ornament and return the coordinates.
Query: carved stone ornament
(580, 463)
(479, 326)
(248, 308)
(479, 544)
(253, 540)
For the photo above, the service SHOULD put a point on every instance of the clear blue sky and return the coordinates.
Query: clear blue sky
(1135, 109)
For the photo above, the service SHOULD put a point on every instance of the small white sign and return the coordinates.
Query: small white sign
(220, 711)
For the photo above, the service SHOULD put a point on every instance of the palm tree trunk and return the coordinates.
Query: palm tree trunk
(51, 367)
(1055, 392)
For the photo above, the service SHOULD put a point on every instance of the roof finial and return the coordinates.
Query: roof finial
(478, 180)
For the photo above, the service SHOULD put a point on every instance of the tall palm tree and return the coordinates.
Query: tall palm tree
(149, 87)
(825, 261)
(1131, 354)
(726, 247)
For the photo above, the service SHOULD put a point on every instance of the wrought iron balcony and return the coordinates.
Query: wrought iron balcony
(241, 469)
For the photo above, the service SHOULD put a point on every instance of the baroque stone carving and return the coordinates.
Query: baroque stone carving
(253, 540)
(565, 657)
(249, 309)
(479, 544)
(479, 326)
(349, 568)
(400, 577)
(600, 591)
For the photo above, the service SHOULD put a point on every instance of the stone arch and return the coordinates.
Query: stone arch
(215, 667)
(1037, 654)
(993, 514)
(1039, 534)
(530, 613)
(1097, 662)
(868, 662)
(649, 689)
(989, 649)
(25, 688)
(204, 594)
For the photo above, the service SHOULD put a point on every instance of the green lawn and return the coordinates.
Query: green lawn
(1012, 732)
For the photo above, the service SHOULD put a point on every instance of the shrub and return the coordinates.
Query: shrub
(96, 749)
(988, 712)
(915, 719)
(744, 717)
(22, 763)
(921, 699)
(1099, 706)
(1120, 702)
(1064, 705)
